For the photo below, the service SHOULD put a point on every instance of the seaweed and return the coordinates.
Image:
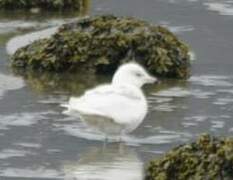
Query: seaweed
(42, 4)
(209, 158)
(102, 43)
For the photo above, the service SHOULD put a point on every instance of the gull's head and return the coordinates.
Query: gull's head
(133, 74)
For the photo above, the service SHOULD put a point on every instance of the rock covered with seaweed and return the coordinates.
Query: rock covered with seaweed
(41, 4)
(102, 43)
(207, 158)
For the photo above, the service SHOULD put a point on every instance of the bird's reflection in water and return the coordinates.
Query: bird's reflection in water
(110, 162)
(97, 124)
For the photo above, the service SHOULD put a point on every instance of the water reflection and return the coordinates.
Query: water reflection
(111, 162)
(8, 82)
(173, 105)
(76, 83)
(21, 21)
(178, 110)
(27, 15)
(63, 83)
(60, 87)
(75, 126)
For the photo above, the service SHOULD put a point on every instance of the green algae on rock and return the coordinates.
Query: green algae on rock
(102, 43)
(41, 4)
(208, 158)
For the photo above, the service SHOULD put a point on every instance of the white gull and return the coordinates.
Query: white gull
(115, 108)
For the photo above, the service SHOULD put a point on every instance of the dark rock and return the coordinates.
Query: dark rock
(102, 43)
(208, 158)
(40, 4)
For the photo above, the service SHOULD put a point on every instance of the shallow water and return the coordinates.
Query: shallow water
(37, 141)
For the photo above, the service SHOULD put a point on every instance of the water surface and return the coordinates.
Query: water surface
(37, 141)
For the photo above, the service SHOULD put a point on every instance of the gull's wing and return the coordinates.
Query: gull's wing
(119, 103)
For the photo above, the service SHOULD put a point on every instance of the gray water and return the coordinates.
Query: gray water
(38, 142)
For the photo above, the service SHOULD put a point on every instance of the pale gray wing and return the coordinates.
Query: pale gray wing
(118, 103)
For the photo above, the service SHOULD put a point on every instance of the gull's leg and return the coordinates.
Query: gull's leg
(121, 148)
(122, 133)
(119, 139)
(121, 136)
(105, 140)
(104, 145)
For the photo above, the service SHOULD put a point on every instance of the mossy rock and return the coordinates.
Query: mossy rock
(42, 4)
(208, 158)
(102, 43)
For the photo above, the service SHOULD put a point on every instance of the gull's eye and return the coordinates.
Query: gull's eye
(138, 74)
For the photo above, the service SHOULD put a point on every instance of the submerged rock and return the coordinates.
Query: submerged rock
(207, 158)
(35, 5)
(102, 43)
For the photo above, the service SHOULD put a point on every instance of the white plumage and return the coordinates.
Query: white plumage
(122, 102)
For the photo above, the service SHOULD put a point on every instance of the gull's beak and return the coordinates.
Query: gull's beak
(151, 79)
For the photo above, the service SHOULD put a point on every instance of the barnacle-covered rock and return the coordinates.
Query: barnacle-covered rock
(102, 43)
(207, 158)
(42, 4)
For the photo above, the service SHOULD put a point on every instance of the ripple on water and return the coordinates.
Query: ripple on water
(229, 91)
(106, 163)
(223, 101)
(181, 92)
(164, 100)
(200, 94)
(39, 172)
(189, 124)
(54, 100)
(7, 26)
(79, 129)
(8, 83)
(180, 1)
(178, 92)
(28, 145)
(173, 92)
(223, 8)
(211, 80)
(22, 119)
(9, 153)
(155, 99)
(196, 118)
(193, 121)
(166, 107)
(177, 29)
(216, 122)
